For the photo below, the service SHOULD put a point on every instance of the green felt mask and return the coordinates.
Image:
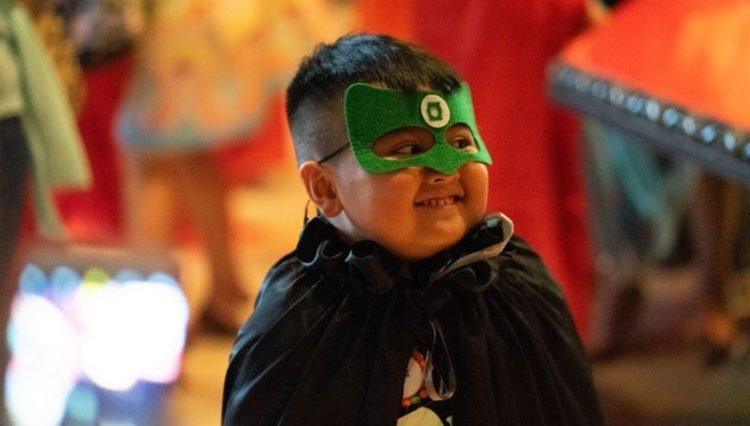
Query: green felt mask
(371, 112)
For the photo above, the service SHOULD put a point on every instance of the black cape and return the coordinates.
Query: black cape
(334, 327)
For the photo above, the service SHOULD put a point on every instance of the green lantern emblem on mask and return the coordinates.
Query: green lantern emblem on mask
(371, 112)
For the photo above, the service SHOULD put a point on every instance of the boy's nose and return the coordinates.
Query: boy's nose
(434, 176)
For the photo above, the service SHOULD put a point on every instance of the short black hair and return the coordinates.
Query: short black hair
(367, 58)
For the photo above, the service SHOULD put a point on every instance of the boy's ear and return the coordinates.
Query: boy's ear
(320, 186)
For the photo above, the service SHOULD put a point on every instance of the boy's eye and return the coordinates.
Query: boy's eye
(406, 149)
(463, 143)
(403, 143)
(460, 137)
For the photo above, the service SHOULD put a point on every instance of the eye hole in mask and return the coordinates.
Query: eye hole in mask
(408, 142)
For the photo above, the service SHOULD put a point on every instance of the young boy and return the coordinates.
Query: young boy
(403, 303)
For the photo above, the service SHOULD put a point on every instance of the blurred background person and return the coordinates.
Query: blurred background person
(639, 200)
(103, 34)
(38, 135)
(207, 74)
(502, 49)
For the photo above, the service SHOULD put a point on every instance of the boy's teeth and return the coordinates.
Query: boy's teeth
(438, 201)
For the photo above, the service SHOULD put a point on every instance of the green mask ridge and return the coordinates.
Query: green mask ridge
(370, 112)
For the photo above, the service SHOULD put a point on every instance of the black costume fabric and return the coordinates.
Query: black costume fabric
(334, 327)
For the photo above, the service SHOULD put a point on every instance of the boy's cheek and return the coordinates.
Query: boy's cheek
(475, 178)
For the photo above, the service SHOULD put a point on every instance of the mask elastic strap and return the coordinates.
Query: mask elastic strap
(305, 219)
(334, 153)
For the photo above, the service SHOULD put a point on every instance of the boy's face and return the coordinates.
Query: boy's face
(416, 211)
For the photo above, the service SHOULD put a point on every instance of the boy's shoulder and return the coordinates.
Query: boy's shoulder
(291, 290)
(285, 284)
(521, 265)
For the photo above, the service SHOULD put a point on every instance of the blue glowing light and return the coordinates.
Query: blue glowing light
(83, 405)
(64, 281)
(109, 333)
(33, 280)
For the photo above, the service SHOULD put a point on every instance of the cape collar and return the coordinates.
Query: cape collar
(471, 263)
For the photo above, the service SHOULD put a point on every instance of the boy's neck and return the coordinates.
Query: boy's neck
(345, 229)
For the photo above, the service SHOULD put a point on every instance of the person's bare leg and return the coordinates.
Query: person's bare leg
(729, 221)
(712, 223)
(205, 196)
(151, 203)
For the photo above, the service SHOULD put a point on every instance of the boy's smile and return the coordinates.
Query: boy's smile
(438, 201)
